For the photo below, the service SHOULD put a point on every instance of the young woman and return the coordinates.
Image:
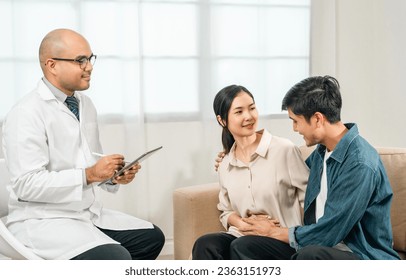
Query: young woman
(262, 178)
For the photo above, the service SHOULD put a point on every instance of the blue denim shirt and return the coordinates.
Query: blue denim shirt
(357, 210)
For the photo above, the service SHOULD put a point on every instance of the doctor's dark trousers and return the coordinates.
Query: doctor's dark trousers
(138, 244)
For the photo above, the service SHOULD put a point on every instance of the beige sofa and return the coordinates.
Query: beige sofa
(195, 207)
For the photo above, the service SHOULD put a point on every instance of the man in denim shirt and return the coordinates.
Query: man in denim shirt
(348, 197)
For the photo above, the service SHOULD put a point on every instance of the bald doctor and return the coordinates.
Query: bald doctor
(48, 140)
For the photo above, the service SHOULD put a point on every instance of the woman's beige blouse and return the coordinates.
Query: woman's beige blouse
(273, 183)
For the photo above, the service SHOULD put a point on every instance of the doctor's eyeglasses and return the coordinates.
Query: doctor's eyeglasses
(82, 60)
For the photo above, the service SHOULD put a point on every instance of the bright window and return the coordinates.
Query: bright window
(163, 57)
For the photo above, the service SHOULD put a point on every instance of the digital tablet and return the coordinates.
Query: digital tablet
(139, 159)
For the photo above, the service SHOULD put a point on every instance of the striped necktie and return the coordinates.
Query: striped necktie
(73, 105)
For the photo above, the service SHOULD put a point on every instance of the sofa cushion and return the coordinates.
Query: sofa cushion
(195, 214)
(394, 160)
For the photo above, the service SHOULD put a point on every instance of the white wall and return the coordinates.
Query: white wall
(361, 42)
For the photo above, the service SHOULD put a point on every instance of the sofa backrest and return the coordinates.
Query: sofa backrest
(394, 160)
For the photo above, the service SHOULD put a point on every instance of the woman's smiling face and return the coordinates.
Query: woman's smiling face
(243, 116)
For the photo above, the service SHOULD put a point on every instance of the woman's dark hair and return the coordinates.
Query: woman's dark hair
(315, 94)
(221, 106)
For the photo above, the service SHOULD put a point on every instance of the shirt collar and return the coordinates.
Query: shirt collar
(341, 148)
(55, 91)
(261, 150)
(263, 145)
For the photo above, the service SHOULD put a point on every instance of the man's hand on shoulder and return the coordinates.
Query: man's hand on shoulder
(218, 160)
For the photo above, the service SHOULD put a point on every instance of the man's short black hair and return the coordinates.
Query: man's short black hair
(315, 94)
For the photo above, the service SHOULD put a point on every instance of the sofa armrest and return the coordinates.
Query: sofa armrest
(195, 213)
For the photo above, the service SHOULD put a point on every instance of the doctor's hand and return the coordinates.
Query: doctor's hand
(128, 175)
(104, 168)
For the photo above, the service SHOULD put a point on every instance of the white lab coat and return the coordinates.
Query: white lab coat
(46, 149)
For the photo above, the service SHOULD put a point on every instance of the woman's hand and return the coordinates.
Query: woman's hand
(236, 221)
(259, 225)
(275, 222)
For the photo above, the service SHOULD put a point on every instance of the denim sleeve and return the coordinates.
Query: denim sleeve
(292, 239)
(350, 191)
